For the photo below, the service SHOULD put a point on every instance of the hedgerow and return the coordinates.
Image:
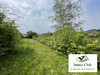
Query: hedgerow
(9, 35)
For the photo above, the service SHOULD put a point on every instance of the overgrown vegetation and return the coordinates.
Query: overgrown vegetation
(32, 58)
(9, 35)
(90, 45)
(69, 38)
(67, 29)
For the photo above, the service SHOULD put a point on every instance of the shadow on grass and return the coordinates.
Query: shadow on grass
(19, 55)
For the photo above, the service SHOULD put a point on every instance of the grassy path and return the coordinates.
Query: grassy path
(33, 58)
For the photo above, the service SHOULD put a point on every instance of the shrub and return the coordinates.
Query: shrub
(97, 35)
(9, 36)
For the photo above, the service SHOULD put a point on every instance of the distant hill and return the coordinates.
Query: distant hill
(93, 31)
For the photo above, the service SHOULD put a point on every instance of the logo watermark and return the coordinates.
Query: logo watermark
(82, 58)
(82, 62)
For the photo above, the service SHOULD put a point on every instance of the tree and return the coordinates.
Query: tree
(67, 24)
(30, 34)
(66, 13)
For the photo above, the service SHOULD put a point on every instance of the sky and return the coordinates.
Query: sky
(35, 14)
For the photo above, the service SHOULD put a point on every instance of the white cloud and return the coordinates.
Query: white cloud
(35, 14)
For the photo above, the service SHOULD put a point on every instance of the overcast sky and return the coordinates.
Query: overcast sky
(35, 14)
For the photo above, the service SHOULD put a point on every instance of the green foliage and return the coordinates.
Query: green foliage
(9, 35)
(68, 34)
(93, 47)
(2, 16)
(97, 35)
(66, 12)
(80, 39)
(31, 34)
(60, 43)
(33, 58)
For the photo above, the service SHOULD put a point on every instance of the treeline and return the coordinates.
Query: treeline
(9, 35)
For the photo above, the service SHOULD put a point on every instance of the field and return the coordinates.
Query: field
(34, 58)
(28, 45)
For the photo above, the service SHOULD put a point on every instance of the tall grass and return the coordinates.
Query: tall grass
(33, 58)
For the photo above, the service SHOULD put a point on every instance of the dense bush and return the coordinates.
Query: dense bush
(97, 34)
(77, 45)
(9, 35)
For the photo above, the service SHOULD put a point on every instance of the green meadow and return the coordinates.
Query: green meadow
(37, 50)
(34, 58)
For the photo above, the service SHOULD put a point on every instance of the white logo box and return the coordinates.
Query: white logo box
(82, 62)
